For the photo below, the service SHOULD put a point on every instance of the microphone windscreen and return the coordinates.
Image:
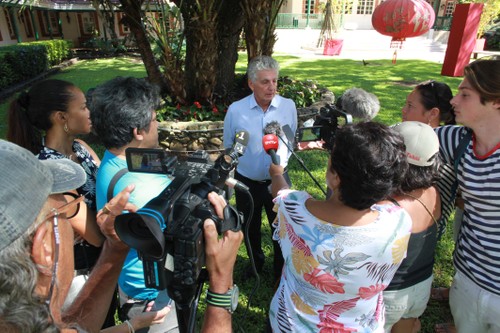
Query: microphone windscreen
(242, 137)
(359, 103)
(273, 127)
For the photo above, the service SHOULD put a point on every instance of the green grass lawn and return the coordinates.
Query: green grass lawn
(390, 83)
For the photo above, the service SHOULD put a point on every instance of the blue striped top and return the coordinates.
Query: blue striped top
(477, 252)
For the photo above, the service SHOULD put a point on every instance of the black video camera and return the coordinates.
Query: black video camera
(168, 231)
(330, 118)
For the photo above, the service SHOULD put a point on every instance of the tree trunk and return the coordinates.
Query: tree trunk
(229, 27)
(200, 17)
(133, 18)
(260, 16)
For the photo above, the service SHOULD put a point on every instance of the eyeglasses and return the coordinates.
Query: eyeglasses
(72, 210)
(69, 210)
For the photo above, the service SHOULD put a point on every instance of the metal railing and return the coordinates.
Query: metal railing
(298, 21)
(442, 23)
(314, 21)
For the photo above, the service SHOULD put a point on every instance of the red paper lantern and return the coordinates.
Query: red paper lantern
(403, 18)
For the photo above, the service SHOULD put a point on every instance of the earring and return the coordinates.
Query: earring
(65, 128)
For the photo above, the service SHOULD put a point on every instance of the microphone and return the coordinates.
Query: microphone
(270, 144)
(290, 136)
(228, 161)
(359, 103)
(230, 158)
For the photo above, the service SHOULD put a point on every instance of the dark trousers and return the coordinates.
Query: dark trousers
(262, 198)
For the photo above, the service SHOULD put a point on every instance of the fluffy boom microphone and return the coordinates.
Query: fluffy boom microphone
(359, 103)
(272, 127)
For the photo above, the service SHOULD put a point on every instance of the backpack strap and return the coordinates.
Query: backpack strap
(462, 146)
(458, 153)
(113, 182)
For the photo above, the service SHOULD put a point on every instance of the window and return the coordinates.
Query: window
(25, 19)
(8, 19)
(365, 7)
(48, 23)
(123, 28)
(311, 4)
(450, 8)
(88, 23)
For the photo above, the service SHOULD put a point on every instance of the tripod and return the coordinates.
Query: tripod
(186, 311)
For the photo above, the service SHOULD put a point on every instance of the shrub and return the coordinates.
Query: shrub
(25, 60)
(195, 112)
(6, 73)
(303, 93)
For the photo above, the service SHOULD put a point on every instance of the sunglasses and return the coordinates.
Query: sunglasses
(68, 210)
(432, 84)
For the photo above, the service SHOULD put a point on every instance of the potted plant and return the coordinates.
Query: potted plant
(331, 25)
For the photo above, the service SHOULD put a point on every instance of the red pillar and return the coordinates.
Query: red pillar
(462, 38)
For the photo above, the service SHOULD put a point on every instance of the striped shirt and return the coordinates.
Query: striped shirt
(477, 251)
(447, 193)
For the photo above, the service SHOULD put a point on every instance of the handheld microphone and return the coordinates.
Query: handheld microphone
(228, 161)
(359, 103)
(230, 157)
(270, 144)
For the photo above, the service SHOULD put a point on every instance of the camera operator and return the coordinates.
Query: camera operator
(252, 113)
(123, 115)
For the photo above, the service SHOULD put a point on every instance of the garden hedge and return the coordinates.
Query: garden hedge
(24, 61)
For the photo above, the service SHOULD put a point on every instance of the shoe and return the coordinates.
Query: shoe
(440, 294)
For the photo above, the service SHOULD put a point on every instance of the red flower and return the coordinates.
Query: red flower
(214, 110)
(178, 107)
(197, 104)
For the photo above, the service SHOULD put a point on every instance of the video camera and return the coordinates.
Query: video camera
(330, 118)
(167, 232)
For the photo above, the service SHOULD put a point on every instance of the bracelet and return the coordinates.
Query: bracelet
(130, 327)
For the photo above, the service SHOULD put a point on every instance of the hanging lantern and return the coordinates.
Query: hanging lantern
(403, 18)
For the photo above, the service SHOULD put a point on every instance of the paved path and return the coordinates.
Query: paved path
(358, 45)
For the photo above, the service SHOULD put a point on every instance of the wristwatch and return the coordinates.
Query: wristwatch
(228, 301)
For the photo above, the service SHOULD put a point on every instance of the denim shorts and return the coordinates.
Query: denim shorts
(410, 302)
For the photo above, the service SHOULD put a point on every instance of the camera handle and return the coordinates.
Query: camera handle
(186, 315)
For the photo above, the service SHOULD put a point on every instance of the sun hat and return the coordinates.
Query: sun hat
(421, 142)
(25, 184)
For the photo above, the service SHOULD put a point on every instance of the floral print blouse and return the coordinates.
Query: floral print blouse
(88, 164)
(334, 275)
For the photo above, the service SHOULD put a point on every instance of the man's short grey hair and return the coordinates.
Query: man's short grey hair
(260, 63)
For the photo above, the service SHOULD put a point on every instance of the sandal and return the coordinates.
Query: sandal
(440, 294)
(445, 328)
